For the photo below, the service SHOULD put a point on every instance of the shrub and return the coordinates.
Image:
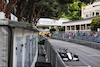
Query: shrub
(95, 24)
(61, 29)
(52, 29)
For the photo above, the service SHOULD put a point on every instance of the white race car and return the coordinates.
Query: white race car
(68, 55)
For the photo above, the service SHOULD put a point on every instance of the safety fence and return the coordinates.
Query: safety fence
(81, 35)
(52, 55)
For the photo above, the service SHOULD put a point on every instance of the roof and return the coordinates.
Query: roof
(47, 19)
(82, 19)
(96, 3)
(51, 22)
(63, 18)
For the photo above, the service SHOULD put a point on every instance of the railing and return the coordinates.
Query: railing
(88, 36)
(52, 55)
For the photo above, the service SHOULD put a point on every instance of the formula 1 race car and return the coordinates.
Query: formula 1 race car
(67, 55)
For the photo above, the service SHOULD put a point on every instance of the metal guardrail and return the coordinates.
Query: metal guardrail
(52, 55)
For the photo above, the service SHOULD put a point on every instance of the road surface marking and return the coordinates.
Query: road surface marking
(93, 55)
(87, 64)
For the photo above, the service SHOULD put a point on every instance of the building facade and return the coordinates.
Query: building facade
(88, 13)
(91, 10)
(81, 25)
(47, 23)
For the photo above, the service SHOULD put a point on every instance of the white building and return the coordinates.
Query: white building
(13, 17)
(2, 15)
(47, 23)
(88, 13)
(91, 10)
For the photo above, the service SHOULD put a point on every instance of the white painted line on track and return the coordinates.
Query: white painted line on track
(93, 55)
(87, 64)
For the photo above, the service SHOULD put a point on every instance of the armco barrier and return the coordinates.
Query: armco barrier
(82, 42)
(52, 55)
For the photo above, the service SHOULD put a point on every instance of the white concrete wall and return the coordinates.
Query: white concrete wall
(18, 32)
(2, 15)
(14, 18)
(3, 46)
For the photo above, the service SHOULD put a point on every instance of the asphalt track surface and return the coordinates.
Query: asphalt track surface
(87, 55)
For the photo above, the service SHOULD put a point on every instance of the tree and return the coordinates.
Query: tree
(88, 1)
(53, 12)
(71, 1)
(20, 8)
(64, 1)
(9, 7)
(61, 29)
(74, 10)
(37, 7)
(95, 24)
(52, 29)
(3, 4)
(30, 9)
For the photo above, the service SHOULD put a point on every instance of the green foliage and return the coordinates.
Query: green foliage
(61, 29)
(26, 10)
(52, 29)
(64, 1)
(53, 11)
(42, 3)
(95, 24)
(71, 1)
(74, 10)
(87, 1)
(64, 15)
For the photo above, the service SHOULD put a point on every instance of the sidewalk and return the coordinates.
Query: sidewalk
(41, 62)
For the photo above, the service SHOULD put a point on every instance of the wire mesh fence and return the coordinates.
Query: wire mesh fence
(92, 36)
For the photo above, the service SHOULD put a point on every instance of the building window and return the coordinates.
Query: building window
(72, 28)
(68, 28)
(82, 28)
(93, 13)
(87, 15)
(88, 27)
(97, 13)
